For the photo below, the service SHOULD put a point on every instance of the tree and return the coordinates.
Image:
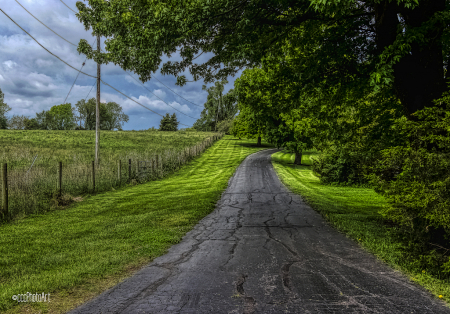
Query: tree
(61, 117)
(169, 123)
(218, 107)
(4, 108)
(32, 124)
(111, 115)
(17, 122)
(403, 44)
(114, 117)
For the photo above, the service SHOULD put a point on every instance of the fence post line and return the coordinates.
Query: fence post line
(119, 170)
(4, 190)
(93, 176)
(59, 184)
(153, 166)
(129, 169)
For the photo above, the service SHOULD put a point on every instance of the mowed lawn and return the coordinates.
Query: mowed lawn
(355, 212)
(76, 253)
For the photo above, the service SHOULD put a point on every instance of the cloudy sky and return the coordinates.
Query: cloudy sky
(33, 80)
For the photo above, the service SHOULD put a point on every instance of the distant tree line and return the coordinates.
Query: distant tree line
(66, 117)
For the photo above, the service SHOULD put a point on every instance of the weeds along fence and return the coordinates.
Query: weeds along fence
(39, 189)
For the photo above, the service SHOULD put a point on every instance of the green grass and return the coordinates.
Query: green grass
(78, 252)
(19, 147)
(32, 190)
(354, 211)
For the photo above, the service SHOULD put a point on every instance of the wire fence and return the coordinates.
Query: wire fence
(40, 189)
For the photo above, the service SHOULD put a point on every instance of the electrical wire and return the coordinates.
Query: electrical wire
(68, 6)
(44, 47)
(158, 96)
(80, 70)
(126, 72)
(136, 101)
(45, 25)
(176, 93)
(78, 74)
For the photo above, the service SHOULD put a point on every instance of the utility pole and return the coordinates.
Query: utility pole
(97, 109)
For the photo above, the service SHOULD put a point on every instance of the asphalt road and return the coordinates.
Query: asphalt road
(263, 250)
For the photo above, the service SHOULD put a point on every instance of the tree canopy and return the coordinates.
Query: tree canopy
(169, 123)
(402, 43)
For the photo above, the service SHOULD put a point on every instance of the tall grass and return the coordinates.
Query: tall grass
(33, 157)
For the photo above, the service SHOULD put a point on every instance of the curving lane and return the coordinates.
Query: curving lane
(263, 250)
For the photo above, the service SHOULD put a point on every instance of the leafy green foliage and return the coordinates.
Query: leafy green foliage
(111, 115)
(218, 107)
(4, 108)
(169, 123)
(61, 117)
(414, 176)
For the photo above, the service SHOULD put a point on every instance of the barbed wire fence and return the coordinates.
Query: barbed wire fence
(40, 189)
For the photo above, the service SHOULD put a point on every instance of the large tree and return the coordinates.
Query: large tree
(61, 117)
(402, 43)
(111, 115)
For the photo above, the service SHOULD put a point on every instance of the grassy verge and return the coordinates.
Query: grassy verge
(354, 211)
(33, 155)
(76, 253)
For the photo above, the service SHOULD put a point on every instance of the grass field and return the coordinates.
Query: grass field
(33, 156)
(354, 211)
(76, 253)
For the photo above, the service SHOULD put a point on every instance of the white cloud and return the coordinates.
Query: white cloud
(10, 64)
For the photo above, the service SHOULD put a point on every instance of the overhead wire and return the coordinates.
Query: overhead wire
(79, 71)
(78, 74)
(68, 6)
(176, 93)
(44, 47)
(158, 96)
(45, 25)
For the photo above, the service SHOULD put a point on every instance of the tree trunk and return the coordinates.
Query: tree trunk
(259, 141)
(418, 76)
(298, 158)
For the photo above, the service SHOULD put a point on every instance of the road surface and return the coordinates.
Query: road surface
(263, 250)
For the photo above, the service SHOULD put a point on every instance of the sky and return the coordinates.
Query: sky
(33, 80)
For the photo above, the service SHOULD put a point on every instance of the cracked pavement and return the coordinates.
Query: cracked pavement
(263, 250)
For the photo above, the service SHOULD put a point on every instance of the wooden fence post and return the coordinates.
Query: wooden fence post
(153, 166)
(119, 170)
(129, 169)
(157, 164)
(59, 184)
(93, 176)
(4, 190)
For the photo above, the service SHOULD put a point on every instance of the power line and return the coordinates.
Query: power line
(176, 93)
(158, 96)
(78, 74)
(90, 91)
(68, 6)
(80, 70)
(126, 72)
(137, 102)
(43, 46)
(74, 83)
(45, 25)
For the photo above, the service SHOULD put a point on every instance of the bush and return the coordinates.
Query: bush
(414, 177)
(339, 166)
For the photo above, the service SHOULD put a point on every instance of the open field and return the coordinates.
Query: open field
(33, 156)
(78, 252)
(354, 211)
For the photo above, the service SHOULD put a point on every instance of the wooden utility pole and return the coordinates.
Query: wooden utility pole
(97, 109)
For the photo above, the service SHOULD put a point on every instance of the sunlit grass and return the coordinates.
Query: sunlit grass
(78, 252)
(355, 211)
